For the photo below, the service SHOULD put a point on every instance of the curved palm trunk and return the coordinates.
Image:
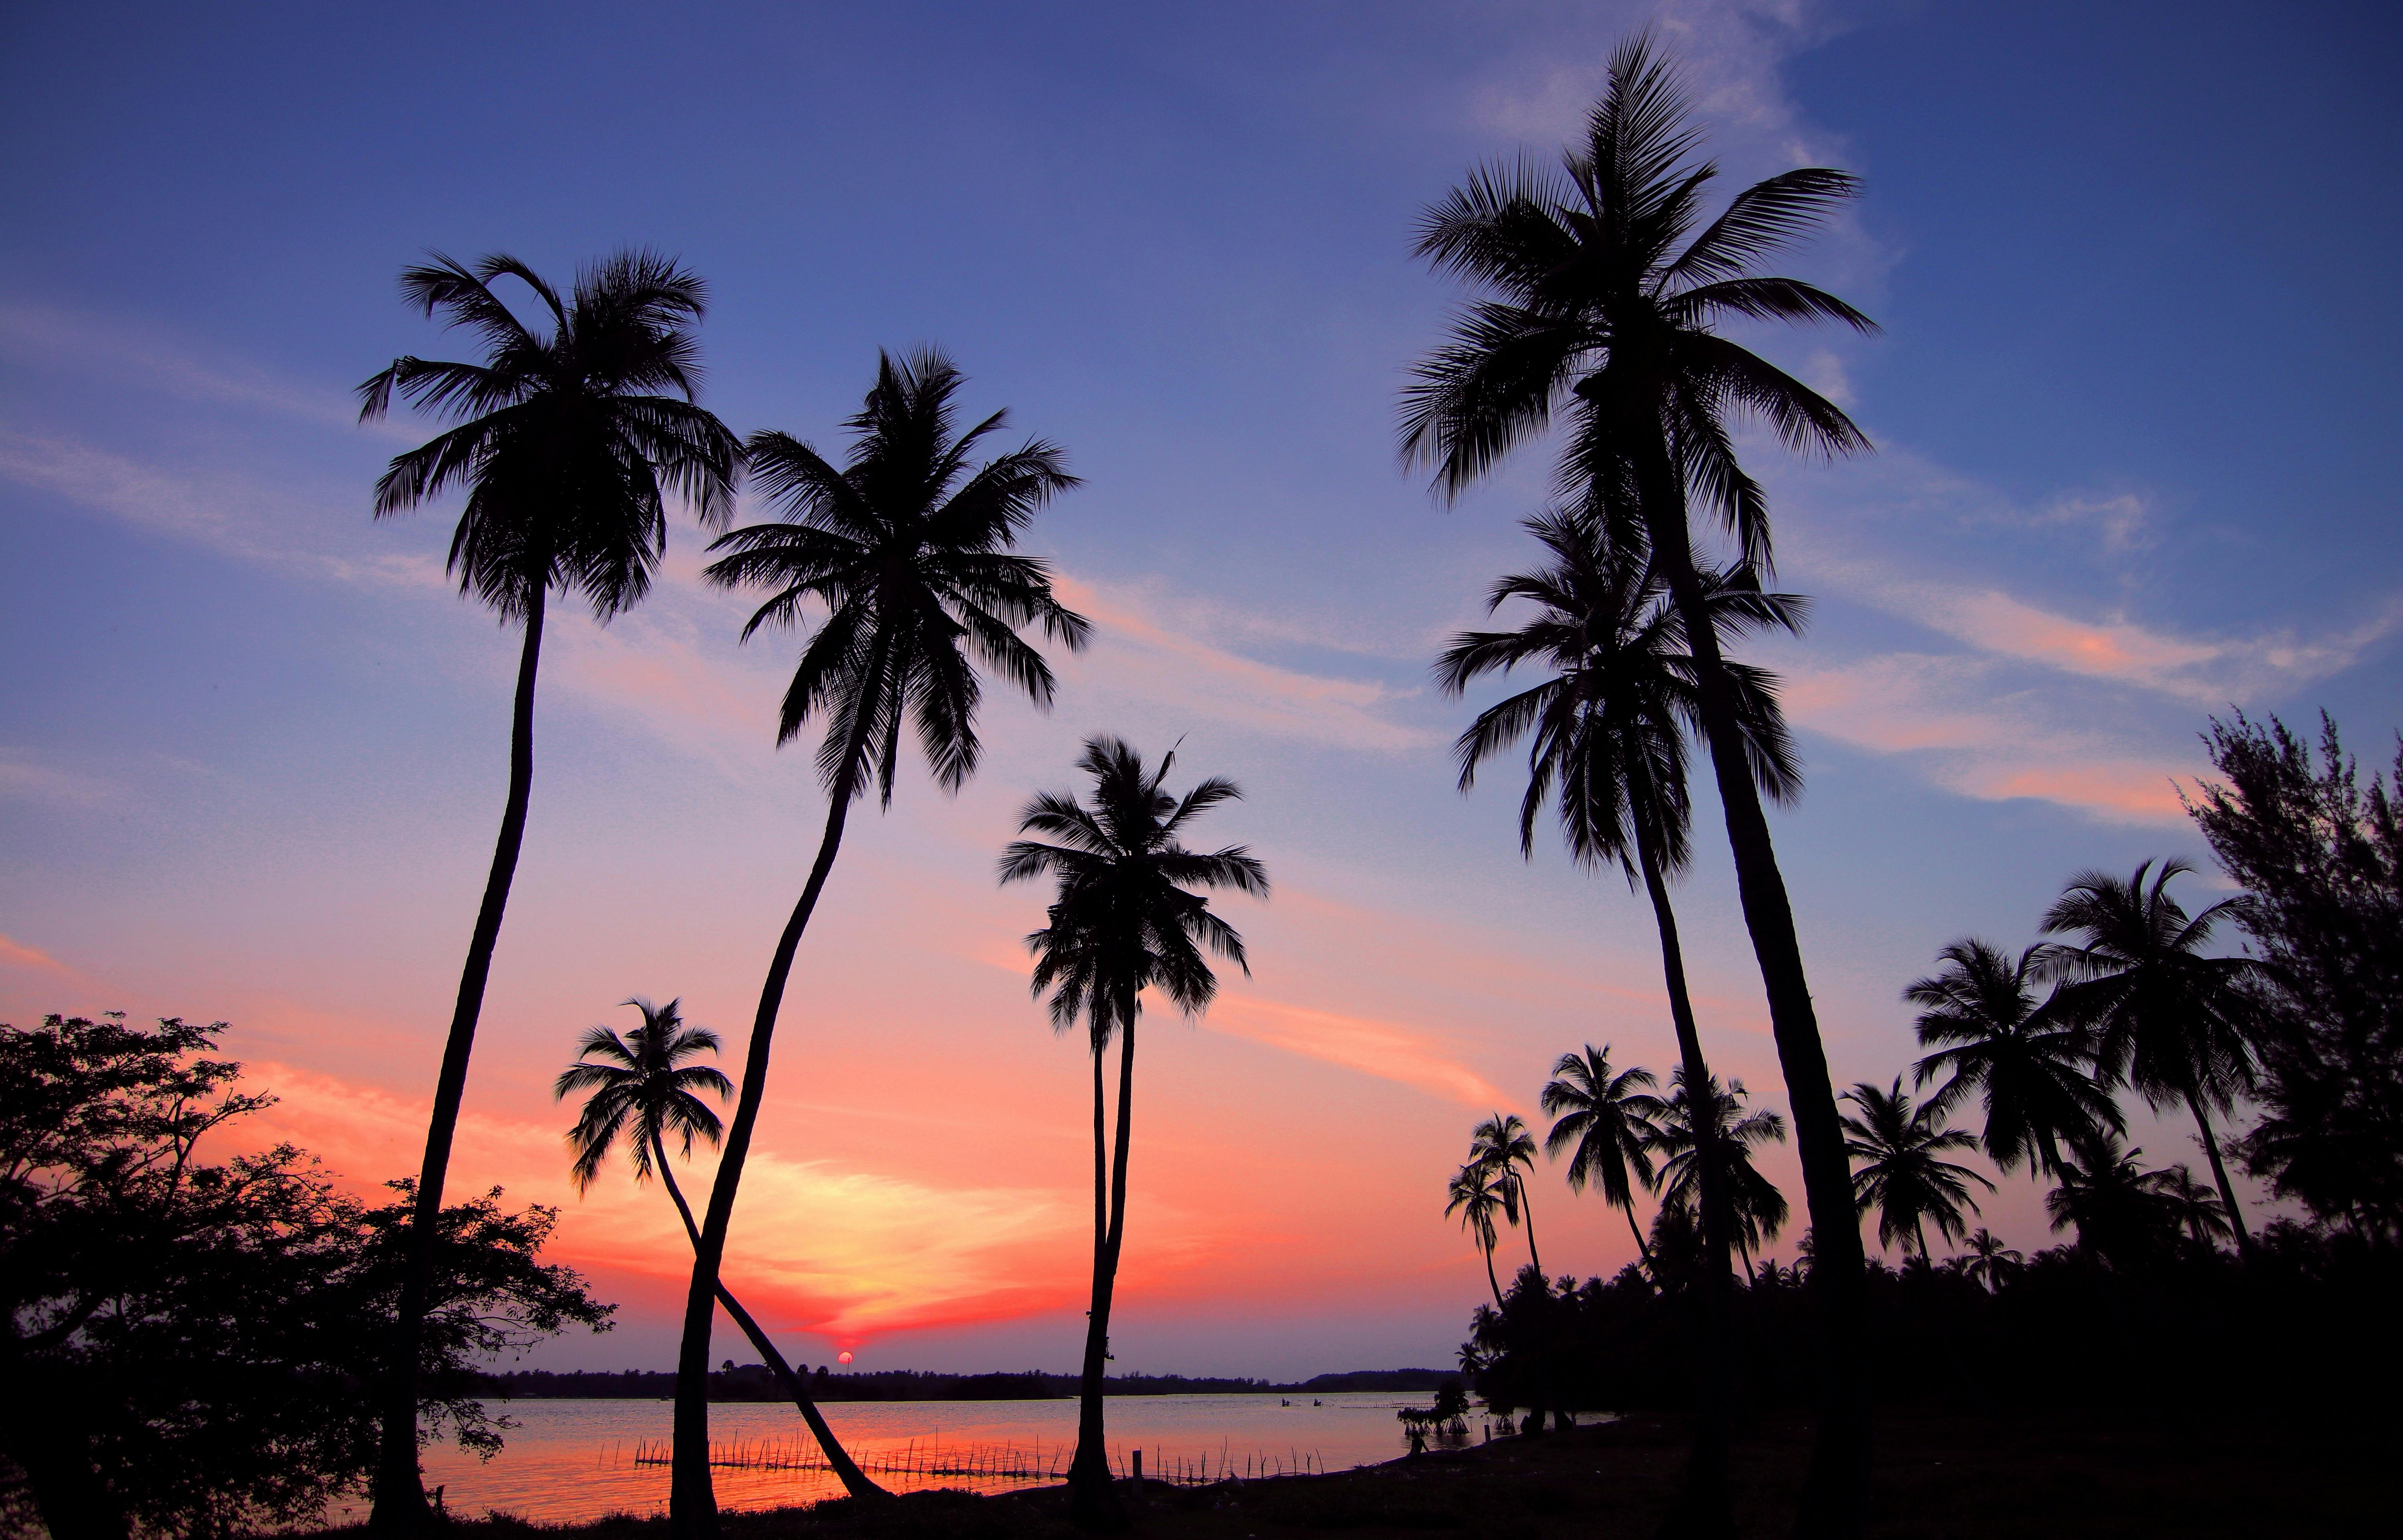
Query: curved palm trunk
(855, 1480)
(1491, 1282)
(1703, 1507)
(1527, 1205)
(692, 1497)
(2219, 1175)
(1096, 1501)
(1642, 1247)
(1835, 1499)
(399, 1494)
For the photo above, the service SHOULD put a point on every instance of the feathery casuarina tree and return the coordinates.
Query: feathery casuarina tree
(641, 1088)
(1596, 298)
(907, 550)
(2032, 1069)
(1901, 1173)
(569, 444)
(1500, 1146)
(1476, 1200)
(2174, 1023)
(1603, 1119)
(1124, 920)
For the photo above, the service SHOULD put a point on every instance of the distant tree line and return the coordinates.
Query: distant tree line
(753, 1383)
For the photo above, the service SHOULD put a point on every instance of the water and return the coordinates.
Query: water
(572, 1461)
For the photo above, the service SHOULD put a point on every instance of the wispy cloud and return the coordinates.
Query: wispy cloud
(1386, 1050)
(43, 784)
(16, 954)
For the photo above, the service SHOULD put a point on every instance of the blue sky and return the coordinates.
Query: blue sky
(2132, 402)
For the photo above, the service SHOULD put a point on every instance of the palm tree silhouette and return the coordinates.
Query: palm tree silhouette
(641, 1088)
(2169, 1020)
(1758, 1210)
(1500, 1146)
(568, 445)
(908, 550)
(1604, 1119)
(1474, 1198)
(1123, 921)
(2034, 1068)
(1900, 1172)
(1989, 1261)
(2117, 1212)
(1593, 300)
(2194, 1205)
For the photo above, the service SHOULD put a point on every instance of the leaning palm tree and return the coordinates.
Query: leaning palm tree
(1902, 1174)
(1755, 1208)
(1500, 1146)
(908, 551)
(2034, 1069)
(1990, 1262)
(569, 443)
(641, 1089)
(1474, 1198)
(1603, 1119)
(2169, 1020)
(1125, 919)
(1596, 299)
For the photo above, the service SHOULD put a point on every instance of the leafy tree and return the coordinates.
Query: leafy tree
(1604, 1119)
(1901, 1175)
(1124, 920)
(1757, 1208)
(1476, 1200)
(1596, 297)
(642, 1088)
(191, 1347)
(2032, 1069)
(2320, 856)
(1499, 1147)
(568, 445)
(908, 551)
(2172, 1021)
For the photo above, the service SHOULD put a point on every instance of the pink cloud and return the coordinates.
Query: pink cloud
(1386, 1050)
(16, 954)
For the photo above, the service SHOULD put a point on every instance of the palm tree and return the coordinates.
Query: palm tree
(2194, 1205)
(1499, 1147)
(1989, 1261)
(2117, 1212)
(568, 444)
(2170, 1022)
(1758, 1210)
(1475, 1200)
(1124, 921)
(2034, 1069)
(1593, 300)
(1604, 1119)
(908, 550)
(1900, 1172)
(641, 1088)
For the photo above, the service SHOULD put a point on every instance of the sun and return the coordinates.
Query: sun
(842, 1357)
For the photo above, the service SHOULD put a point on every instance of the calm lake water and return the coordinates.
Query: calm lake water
(579, 1460)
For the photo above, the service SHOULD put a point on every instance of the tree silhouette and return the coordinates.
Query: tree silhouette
(2192, 1204)
(1593, 300)
(568, 445)
(1474, 1198)
(1124, 920)
(908, 550)
(2033, 1068)
(641, 1089)
(1900, 1173)
(1499, 1147)
(1990, 1262)
(2170, 1021)
(1604, 1119)
(1758, 1209)
(2119, 1213)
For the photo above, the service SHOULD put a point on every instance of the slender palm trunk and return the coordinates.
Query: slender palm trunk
(692, 1497)
(1642, 1247)
(855, 1480)
(1088, 1474)
(1704, 1508)
(399, 1494)
(1491, 1282)
(2219, 1175)
(1527, 1204)
(1836, 1496)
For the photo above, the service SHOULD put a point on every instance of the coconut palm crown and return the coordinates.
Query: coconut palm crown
(1603, 1119)
(1901, 1172)
(2033, 1068)
(640, 1085)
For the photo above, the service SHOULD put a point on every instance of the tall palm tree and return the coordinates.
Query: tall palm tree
(1125, 919)
(1593, 300)
(908, 551)
(2170, 1021)
(1603, 1119)
(2194, 1205)
(1608, 748)
(2033, 1068)
(641, 1088)
(1476, 1200)
(1500, 1146)
(2118, 1213)
(568, 443)
(1757, 1209)
(1990, 1262)
(1901, 1172)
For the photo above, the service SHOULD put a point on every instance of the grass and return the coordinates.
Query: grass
(1940, 1476)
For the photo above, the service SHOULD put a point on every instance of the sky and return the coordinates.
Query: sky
(2132, 405)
